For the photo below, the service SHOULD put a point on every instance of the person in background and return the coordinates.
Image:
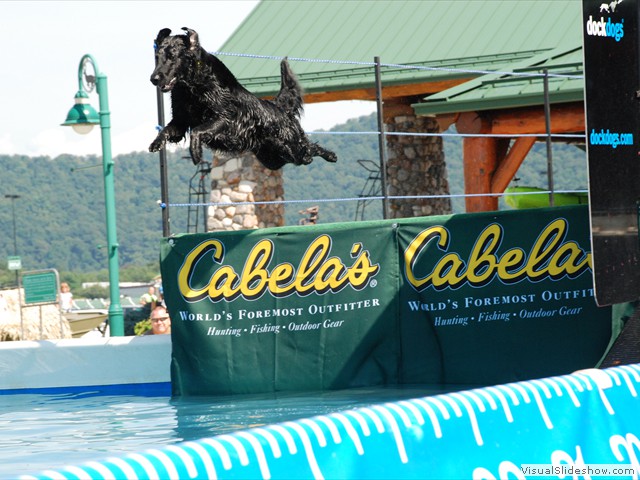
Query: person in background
(160, 321)
(66, 297)
(149, 299)
(160, 291)
(313, 216)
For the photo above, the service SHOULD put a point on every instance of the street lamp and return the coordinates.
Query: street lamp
(82, 117)
(13, 198)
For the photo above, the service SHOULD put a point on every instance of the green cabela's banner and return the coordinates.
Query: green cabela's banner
(463, 299)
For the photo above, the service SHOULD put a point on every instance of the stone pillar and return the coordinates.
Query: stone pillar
(416, 166)
(241, 179)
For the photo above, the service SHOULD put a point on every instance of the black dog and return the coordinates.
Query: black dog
(208, 102)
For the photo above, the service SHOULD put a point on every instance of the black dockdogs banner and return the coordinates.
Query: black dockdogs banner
(464, 299)
(612, 76)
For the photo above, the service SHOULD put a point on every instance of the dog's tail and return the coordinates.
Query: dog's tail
(289, 97)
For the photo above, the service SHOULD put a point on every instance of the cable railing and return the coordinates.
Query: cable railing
(472, 71)
(374, 197)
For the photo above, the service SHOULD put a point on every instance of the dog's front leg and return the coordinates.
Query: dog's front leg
(171, 131)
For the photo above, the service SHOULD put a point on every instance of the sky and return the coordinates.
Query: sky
(43, 42)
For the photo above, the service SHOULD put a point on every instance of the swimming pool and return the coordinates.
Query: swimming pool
(44, 431)
(485, 433)
(66, 402)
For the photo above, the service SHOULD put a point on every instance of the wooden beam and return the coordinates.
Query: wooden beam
(472, 122)
(445, 120)
(566, 118)
(508, 167)
(391, 91)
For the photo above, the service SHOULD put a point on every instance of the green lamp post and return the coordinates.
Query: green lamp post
(82, 117)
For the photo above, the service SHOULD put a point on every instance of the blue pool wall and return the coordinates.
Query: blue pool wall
(584, 420)
(131, 365)
(482, 433)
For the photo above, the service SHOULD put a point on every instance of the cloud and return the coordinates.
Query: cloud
(61, 140)
(136, 139)
(7, 147)
(326, 115)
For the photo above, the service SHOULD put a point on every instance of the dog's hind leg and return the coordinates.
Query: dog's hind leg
(209, 134)
(195, 147)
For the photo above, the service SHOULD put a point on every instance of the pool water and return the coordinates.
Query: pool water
(42, 431)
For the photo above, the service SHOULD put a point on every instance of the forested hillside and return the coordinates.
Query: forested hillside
(60, 219)
(60, 216)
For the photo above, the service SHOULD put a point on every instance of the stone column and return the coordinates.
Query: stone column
(416, 166)
(242, 179)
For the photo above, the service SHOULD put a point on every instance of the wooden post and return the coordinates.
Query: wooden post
(481, 157)
(480, 161)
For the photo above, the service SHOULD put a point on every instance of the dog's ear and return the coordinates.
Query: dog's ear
(194, 42)
(162, 34)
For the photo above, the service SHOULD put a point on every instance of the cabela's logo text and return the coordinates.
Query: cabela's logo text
(317, 272)
(550, 257)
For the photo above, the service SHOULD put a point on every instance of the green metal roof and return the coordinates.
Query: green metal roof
(338, 39)
(497, 91)
(393, 74)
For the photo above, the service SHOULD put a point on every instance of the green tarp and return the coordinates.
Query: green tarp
(469, 299)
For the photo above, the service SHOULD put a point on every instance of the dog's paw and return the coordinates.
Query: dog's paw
(156, 145)
(330, 157)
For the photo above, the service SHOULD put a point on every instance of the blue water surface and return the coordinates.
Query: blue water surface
(42, 431)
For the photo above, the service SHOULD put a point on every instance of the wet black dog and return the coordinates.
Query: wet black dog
(208, 102)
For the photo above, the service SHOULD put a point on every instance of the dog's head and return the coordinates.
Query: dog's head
(173, 55)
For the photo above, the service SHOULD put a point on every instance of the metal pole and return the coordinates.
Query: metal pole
(164, 184)
(381, 139)
(13, 212)
(547, 124)
(116, 318)
(13, 198)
